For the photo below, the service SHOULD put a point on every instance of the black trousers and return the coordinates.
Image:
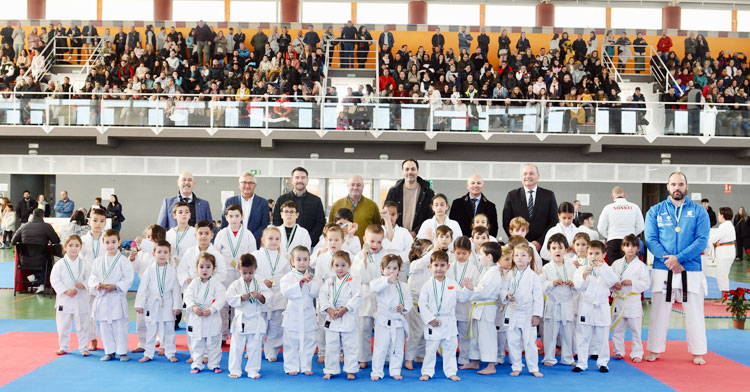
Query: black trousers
(614, 251)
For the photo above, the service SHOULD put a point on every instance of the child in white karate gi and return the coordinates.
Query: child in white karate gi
(463, 269)
(505, 264)
(292, 234)
(557, 284)
(93, 248)
(627, 309)
(272, 266)
(69, 277)
(141, 257)
(415, 343)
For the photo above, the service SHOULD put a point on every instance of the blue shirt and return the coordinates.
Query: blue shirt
(688, 244)
(64, 209)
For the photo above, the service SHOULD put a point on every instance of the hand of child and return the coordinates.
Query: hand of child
(308, 277)
(198, 311)
(429, 234)
(139, 310)
(256, 294)
(133, 253)
(557, 282)
(206, 312)
(570, 283)
(80, 286)
(468, 284)
(617, 286)
(627, 282)
(110, 288)
(268, 283)
(535, 321)
(392, 279)
(510, 297)
(189, 280)
(384, 215)
(71, 292)
(245, 297)
(365, 253)
(176, 312)
(331, 313)
(435, 323)
(321, 251)
(400, 308)
(353, 229)
(340, 312)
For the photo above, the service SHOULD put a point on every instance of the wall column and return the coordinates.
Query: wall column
(36, 9)
(162, 9)
(545, 14)
(671, 18)
(417, 12)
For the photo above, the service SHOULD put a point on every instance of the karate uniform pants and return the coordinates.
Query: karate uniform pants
(464, 343)
(695, 325)
(227, 315)
(389, 340)
(366, 325)
(723, 265)
(618, 336)
(274, 333)
(519, 340)
(93, 331)
(585, 334)
(449, 347)
(483, 345)
(114, 336)
(65, 325)
(298, 350)
(205, 347)
(335, 342)
(415, 343)
(164, 332)
(553, 329)
(593, 346)
(252, 342)
(140, 329)
(320, 334)
(502, 344)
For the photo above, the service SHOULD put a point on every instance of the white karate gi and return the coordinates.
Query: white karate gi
(460, 272)
(483, 313)
(401, 242)
(231, 247)
(419, 273)
(437, 300)
(367, 273)
(594, 316)
(390, 326)
(142, 261)
(432, 224)
(205, 331)
(159, 295)
(627, 309)
(724, 252)
(91, 250)
(111, 309)
(64, 276)
(300, 236)
(569, 233)
(181, 242)
(343, 332)
(272, 265)
(321, 264)
(526, 288)
(299, 322)
(248, 326)
(502, 330)
(559, 311)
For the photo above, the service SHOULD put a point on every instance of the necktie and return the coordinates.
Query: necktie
(476, 204)
(530, 206)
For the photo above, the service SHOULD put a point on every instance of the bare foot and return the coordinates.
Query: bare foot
(636, 360)
(257, 376)
(272, 359)
(409, 365)
(85, 353)
(455, 378)
(374, 378)
(618, 356)
(189, 360)
(161, 352)
(234, 376)
(537, 374)
(698, 360)
(172, 359)
(292, 373)
(424, 378)
(144, 359)
(61, 352)
(470, 365)
(363, 365)
(490, 369)
(548, 364)
(651, 357)
(327, 376)
(308, 373)
(350, 376)
(515, 374)
(397, 377)
(205, 359)
(321, 358)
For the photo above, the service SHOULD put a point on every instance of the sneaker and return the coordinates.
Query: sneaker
(31, 278)
(577, 369)
(40, 289)
(106, 357)
(124, 358)
(603, 369)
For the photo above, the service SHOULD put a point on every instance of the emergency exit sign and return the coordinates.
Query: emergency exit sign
(255, 172)
(727, 188)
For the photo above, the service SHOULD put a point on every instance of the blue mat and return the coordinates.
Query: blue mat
(6, 277)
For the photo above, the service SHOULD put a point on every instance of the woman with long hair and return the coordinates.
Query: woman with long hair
(114, 211)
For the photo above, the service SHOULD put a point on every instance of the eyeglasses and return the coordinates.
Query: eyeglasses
(289, 212)
(247, 183)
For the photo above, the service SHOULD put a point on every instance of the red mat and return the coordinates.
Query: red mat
(16, 360)
(710, 309)
(674, 368)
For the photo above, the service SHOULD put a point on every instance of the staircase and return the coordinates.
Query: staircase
(343, 71)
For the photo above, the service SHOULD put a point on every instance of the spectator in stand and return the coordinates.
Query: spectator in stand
(579, 47)
(665, 44)
(64, 207)
(238, 38)
(624, 53)
(386, 80)
(464, 40)
(203, 38)
(363, 46)
(438, 39)
(690, 44)
(503, 42)
(284, 40)
(348, 36)
(19, 37)
(483, 41)
(120, 41)
(386, 38)
(311, 37)
(523, 43)
(134, 38)
(258, 42)
(639, 47)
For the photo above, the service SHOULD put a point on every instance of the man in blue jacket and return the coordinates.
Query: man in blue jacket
(199, 208)
(255, 214)
(676, 232)
(64, 207)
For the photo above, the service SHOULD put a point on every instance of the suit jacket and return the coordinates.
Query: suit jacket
(462, 211)
(259, 217)
(545, 212)
(166, 219)
(422, 211)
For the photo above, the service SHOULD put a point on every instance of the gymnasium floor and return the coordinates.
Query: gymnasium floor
(28, 342)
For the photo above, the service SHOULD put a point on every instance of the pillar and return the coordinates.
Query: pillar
(545, 14)
(99, 9)
(417, 12)
(162, 9)
(354, 12)
(289, 11)
(734, 20)
(608, 17)
(482, 14)
(36, 9)
(671, 17)
(227, 10)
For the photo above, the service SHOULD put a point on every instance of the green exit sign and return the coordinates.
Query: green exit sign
(255, 172)
(431, 184)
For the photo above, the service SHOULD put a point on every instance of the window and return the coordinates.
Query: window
(135, 10)
(323, 12)
(71, 10)
(510, 15)
(253, 11)
(636, 18)
(701, 19)
(743, 20)
(453, 14)
(383, 13)
(16, 12)
(586, 17)
(195, 10)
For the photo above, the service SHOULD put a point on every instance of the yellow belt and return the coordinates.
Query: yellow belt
(612, 309)
(469, 329)
(724, 244)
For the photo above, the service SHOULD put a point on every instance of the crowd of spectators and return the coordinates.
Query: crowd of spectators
(218, 66)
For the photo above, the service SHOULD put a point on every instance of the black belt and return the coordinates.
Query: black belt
(684, 286)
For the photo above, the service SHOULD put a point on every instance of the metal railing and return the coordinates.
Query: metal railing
(321, 113)
(344, 54)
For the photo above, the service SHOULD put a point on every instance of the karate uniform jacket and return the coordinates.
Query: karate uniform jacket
(487, 291)
(401, 241)
(350, 297)
(299, 315)
(214, 299)
(187, 241)
(560, 304)
(593, 305)
(301, 237)
(188, 268)
(321, 264)
(388, 299)
(266, 271)
(248, 318)
(111, 306)
(159, 307)
(62, 281)
(528, 298)
(628, 298)
(366, 274)
(456, 272)
(429, 303)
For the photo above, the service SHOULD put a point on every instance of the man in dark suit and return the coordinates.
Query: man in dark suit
(413, 196)
(466, 207)
(577, 213)
(311, 212)
(255, 214)
(199, 208)
(537, 205)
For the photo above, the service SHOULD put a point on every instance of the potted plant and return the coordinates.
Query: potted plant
(736, 304)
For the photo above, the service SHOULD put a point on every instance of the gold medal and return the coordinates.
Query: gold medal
(677, 229)
(234, 263)
(176, 260)
(273, 282)
(512, 305)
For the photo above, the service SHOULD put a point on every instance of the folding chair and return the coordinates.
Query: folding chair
(31, 258)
